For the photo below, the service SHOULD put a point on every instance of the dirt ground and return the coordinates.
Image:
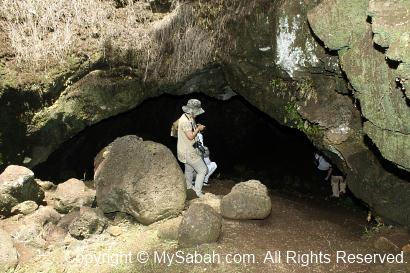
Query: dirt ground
(303, 229)
(301, 225)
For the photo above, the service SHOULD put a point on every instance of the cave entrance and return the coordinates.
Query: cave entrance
(244, 142)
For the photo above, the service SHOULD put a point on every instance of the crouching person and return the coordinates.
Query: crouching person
(210, 165)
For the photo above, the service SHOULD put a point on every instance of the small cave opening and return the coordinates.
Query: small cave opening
(245, 143)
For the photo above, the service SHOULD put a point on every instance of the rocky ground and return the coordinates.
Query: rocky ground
(294, 224)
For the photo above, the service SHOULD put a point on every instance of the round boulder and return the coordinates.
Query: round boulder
(141, 178)
(200, 224)
(8, 254)
(17, 185)
(247, 200)
(72, 194)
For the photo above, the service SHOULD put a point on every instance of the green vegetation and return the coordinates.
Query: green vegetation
(295, 120)
(306, 90)
(279, 84)
(369, 232)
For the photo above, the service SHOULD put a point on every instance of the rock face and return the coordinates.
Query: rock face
(141, 178)
(342, 26)
(247, 200)
(17, 185)
(8, 254)
(88, 221)
(200, 224)
(380, 87)
(72, 194)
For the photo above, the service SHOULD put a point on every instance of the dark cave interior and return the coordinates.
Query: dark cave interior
(244, 142)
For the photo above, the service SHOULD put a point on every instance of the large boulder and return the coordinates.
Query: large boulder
(141, 178)
(88, 221)
(17, 185)
(247, 200)
(200, 224)
(71, 194)
(8, 254)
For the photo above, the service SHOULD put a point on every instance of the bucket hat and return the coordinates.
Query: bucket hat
(193, 106)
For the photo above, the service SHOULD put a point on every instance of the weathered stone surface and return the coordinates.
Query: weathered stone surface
(67, 219)
(89, 221)
(168, 230)
(88, 101)
(391, 27)
(72, 194)
(141, 178)
(200, 224)
(384, 244)
(336, 22)
(8, 254)
(210, 199)
(382, 103)
(114, 231)
(247, 200)
(45, 185)
(43, 216)
(25, 207)
(393, 145)
(17, 185)
(32, 228)
(387, 194)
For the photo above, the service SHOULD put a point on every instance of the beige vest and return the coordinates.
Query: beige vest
(185, 150)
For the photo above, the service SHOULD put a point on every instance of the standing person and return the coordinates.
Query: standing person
(338, 183)
(187, 153)
(324, 168)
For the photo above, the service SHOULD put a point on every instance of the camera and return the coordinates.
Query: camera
(198, 145)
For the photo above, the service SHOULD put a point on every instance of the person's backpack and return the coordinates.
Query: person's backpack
(174, 128)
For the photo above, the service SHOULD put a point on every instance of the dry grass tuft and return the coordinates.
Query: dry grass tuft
(164, 47)
(42, 31)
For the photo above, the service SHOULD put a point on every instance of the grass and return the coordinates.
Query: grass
(374, 229)
(44, 31)
(47, 37)
(54, 34)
